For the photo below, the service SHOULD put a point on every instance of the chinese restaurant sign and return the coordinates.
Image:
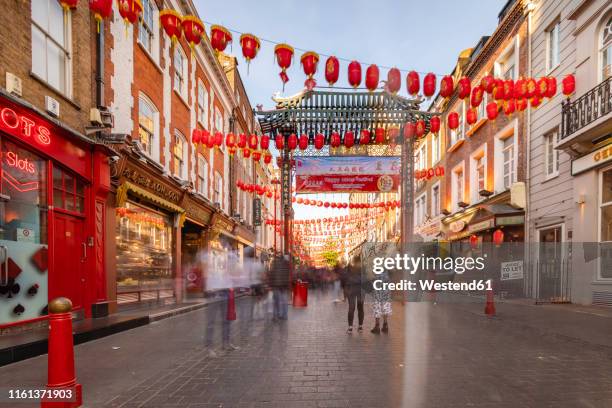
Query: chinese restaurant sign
(347, 174)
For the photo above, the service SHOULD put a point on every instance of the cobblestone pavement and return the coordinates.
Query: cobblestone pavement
(434, 356)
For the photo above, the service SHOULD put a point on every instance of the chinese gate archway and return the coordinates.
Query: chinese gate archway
(326, 112)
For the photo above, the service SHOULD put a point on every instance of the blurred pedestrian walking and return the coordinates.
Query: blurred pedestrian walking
(354, 294)
(279, 282)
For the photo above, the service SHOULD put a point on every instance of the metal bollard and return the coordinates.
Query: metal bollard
(61, 356)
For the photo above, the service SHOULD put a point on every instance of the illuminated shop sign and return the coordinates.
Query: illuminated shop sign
(600, 156)
(13, 160)
(24, 127)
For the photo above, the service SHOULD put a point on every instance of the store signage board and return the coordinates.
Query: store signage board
(347, 174)
(512, 270)
(256, 212)
(600, 156)
(481, 226)
(510, 220)
(457, 226)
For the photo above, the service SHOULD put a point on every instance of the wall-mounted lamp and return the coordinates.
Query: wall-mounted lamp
(580, 199)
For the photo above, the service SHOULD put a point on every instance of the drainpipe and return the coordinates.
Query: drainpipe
(100, 66)
(530, 6)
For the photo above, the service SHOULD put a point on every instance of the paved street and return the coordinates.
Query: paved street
(435, 356)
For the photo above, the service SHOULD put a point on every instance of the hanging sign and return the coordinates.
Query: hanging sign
(256, 212)
(347, 174)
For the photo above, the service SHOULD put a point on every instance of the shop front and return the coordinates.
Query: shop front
(148, 218)
(53, 188)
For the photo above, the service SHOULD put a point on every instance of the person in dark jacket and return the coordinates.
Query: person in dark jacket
(279, 282)
(354, 293)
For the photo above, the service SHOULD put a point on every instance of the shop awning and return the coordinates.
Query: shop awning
(128, 187)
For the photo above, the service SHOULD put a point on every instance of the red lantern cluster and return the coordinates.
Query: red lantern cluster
(429, 173)
(386, 205)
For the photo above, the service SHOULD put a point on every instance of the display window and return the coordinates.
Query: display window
(144, 254)
(605, 222)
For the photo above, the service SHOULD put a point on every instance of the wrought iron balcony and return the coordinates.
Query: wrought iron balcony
(585, 110)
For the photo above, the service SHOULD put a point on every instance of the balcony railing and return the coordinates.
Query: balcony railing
(591, 106)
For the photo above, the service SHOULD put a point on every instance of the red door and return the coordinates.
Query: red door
(70, 255)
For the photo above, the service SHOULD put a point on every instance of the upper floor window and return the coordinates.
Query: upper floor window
(202, 104)
(436, 147)
(146, 124)
(509, 172)
(180, 71)
(146, 26)
(218, 189)
(420, 209)
(552, 46)
(478, 173)
(178, 152)
(202, 176)
(506, 66)
(51, 45)
(551, 155)
(606, 50)
(435, 200)
(457, 187)
(458, 134)
(218, 120)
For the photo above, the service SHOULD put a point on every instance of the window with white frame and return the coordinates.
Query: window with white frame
(478, 176)
(506, 66)
(551, 155)
(218, 120)
(458, 134)
(218, 189)
(51, 45)
(435, 199)
(552, 46)
(202, 175)
(202, 104)
(420, 209)
(509, 171)
(146, 25)
(422, 156)
(180, 71)
(435, 148)
(606, 50)
(481, 110)
(179, 154)
(147, 117)
(457, 187)
(605, 221)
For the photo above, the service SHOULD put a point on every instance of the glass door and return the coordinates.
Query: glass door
(23, 234)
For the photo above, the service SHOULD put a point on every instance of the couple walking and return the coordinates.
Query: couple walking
(355, 287)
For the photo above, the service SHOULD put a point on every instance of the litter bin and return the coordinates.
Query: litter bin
(300, 294)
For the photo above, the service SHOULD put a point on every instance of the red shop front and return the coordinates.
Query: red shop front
(53, 188)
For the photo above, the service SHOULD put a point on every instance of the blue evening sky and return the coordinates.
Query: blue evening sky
(426, 36)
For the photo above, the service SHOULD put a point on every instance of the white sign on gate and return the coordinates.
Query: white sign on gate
(512, 270)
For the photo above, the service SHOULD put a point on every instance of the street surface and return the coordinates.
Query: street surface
(434, 356)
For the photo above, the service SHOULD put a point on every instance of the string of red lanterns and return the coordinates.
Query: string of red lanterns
(429, 173)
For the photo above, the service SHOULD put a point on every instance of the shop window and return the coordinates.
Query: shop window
(178, 151)
(435, 200)
(202, 176)
(68, 192)
(605, 220)
(147, 126)
(202, 104)
(180, 72)
(606, 50)
(146, 26)
(552, 46)
(51, 44)
(551, 155)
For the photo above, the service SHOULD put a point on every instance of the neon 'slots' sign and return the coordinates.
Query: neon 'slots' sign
(13, 160)
(10, 120)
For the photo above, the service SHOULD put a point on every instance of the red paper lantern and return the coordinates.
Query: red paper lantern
(250, 46)
(474, 241)
(326, 204)
(101, 9)
(453, 120)
(409, 130)
(246, 153)
(520, 88)
(230, 140)
(279, 142)
(210, 141)
(446, 86)
(568, 85)
(319, 141)
(268, 160)
(349, 139)
(332, 70)
(542, 87)
(253, 141)
(242, 141)
(218, 139)
(219, 38)
(464, 87)
(419, 128)
(193, 30)
(531, 88)
(303, 142)
(335, 139)
(552, 87)
(204, 136)
(394, 80)
(333, 205)
(256, 157)
(521, 104)
(498, 237)
(364, 137)
(508, 89)
(487, 83)
(439, 171)
(535, 101)
(379, 135)
(69, 4)
(195, 136)
(319, 203)
(413, 83)
(354, 74)
(492, 111)
(128, 9)
(264, 142)
(498, 90)
(429, 84)
(284, 55)
(171, 22)
(309, 61)
(477, 95)
(434, 124)
(372, 76)
(471, 116)
(509, 107)
(292, 141)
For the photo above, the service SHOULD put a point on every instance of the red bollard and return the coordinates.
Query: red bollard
(490, 305)
(300, 294)
(231, 305)
(61, 355)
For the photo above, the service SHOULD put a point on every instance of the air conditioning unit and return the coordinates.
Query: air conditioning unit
(13, 84)
(102, 117)
(52, 106)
